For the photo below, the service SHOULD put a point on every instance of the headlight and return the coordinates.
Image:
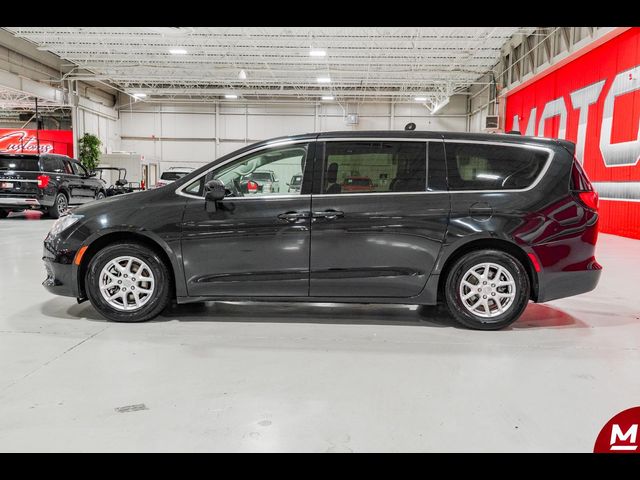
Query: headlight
(63, 223)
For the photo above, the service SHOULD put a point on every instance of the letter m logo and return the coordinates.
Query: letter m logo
(630, 436)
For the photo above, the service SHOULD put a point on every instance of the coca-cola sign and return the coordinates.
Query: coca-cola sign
(28, 141)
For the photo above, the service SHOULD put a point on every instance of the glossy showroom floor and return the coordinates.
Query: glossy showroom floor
(278, 377)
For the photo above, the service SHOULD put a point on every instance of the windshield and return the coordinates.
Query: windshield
(172, 175)
(296, 180)
(359, 182)
(19, 164)
(260, 176)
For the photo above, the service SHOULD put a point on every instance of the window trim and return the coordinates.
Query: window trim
(317, 140)
(530, 146)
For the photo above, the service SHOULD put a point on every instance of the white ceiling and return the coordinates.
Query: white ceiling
(363, 63)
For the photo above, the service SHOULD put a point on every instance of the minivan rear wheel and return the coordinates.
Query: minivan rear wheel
(487, 289)
(128, 282)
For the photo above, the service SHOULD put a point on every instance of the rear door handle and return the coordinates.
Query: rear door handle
(328, 214)
(293, 216)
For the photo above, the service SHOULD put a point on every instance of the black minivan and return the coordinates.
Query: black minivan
(47, 182)
(481, 222)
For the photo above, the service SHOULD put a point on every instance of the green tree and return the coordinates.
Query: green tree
(89, 151)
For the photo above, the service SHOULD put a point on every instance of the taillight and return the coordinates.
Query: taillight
(43, 181)
(582, 187)
(252, 186)
(589, 199)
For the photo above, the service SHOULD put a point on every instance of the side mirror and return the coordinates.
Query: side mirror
(214, 192)
(93, 174)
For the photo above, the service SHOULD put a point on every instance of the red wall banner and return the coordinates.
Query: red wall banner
(26, 141)
(594, 101)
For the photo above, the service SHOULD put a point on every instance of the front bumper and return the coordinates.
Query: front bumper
(61, 272)
(59, 279)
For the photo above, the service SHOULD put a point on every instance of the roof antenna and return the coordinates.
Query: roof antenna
(37, 127)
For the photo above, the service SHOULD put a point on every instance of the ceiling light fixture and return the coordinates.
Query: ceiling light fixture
(420, 99)
(328, 97)
(178, 51)
(139, 95)
(315, 52)
(242, 75)
(231, 96)
(324, 80)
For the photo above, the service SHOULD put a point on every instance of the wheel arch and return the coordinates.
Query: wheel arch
(156, 244)
(494, 244)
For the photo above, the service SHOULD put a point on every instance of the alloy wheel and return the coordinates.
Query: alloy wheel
(126, 283)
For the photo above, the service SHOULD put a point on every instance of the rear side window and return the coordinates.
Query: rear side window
(492, 167)
(19, 164)
(53, 165)
(375, 167)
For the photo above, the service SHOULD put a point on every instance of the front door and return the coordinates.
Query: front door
(378, 221)
(256, 242)
(81, 190)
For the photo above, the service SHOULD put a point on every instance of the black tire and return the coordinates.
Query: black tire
(478, 322)
(159, 298)
(4, 213)
(60, 205)
(101, 195)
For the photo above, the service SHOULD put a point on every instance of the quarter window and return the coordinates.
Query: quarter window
(492, 167)
(374, 167)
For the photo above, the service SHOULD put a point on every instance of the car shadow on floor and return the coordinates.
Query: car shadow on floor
(535, 316)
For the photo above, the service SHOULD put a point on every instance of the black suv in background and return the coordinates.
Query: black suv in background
(46, 182)
(483, 223)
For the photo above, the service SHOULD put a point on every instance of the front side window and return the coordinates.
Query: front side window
(79, 169)
(374, 167)
(261, 173)
(492, 167)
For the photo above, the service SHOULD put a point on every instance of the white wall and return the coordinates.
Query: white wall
(191, 135)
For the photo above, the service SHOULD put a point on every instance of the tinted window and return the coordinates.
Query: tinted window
(19, 164)
(172, 175)
(492, 167)
(376, 167)
(296, 180)
(67, 167)
(52, 164)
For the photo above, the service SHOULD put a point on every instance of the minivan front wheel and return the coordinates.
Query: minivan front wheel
(487, 289)
(128, 282)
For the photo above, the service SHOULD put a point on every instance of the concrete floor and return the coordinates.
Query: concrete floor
(279, 377)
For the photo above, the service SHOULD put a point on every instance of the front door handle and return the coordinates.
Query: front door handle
(293, 216)
(328, 214)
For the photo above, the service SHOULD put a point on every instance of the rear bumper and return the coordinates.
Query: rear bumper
(555, 285)
(15, 202)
